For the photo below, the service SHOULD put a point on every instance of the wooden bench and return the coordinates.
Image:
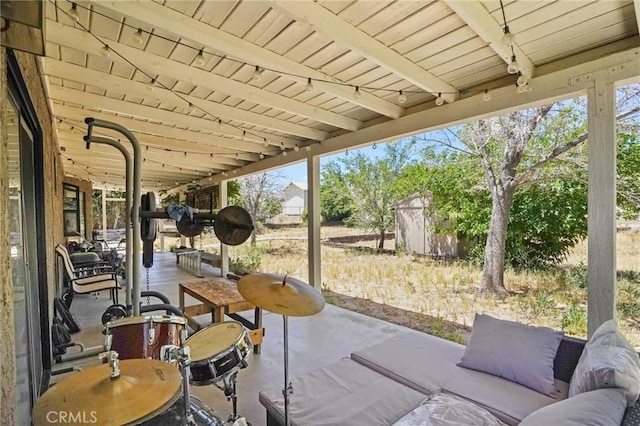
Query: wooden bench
(191, 260)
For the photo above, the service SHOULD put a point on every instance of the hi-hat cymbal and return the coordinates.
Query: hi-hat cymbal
(145, 388)
(281, 294)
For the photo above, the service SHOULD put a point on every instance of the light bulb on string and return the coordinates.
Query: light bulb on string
(487, 96)
(281, 146)
(402, 98)
(151, 84)
(190, 108)
(199, 59)
(374, 146)
(265, 143)
(257, 74)
(244, 135)
(261, 156)
(307, 148)
(284, 153)
(523, 80)
(356, 93)
(296, 149)
(309, 86)
(220, 126)
(73, 12)
(513, 66)
(439, 99)
(137, 36)
(105, 51)
(508, 39)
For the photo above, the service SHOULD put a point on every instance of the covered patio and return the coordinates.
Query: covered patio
(216, 90)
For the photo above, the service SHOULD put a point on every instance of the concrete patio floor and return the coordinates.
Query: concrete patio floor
(314, 341)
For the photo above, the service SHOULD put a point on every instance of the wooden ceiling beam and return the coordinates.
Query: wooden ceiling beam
(116, 84)
(475, 15)
(170, 20)
(332, 26)
(162, 136)
(159, 65)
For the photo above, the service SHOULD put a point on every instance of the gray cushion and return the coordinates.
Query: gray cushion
(521, 353)
(603, 407)
(607, 361)
(343, 393)
(428, 363)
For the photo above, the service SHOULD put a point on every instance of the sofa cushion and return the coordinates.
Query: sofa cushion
(343, 390)
(603, 407)
(428, 363)
(445, 409)
(518, 352)
(607, 361)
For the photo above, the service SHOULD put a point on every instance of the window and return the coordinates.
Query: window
(73, 210)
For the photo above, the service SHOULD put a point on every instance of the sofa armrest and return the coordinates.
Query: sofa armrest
(567, 357)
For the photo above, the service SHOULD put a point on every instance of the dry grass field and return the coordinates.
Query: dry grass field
(441, 296)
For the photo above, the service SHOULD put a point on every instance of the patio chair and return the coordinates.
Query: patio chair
(86, 279)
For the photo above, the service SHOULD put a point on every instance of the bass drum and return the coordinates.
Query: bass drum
(143, 337)
(202, 415)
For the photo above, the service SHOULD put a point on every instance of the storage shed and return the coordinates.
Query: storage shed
(415, 229)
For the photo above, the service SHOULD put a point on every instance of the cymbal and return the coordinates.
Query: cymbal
(281, 294)
(145, 388)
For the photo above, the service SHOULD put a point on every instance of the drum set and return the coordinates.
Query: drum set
(149, 363)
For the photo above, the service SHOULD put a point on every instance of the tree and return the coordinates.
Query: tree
(261, 195)
(516, 150)
(367, 187)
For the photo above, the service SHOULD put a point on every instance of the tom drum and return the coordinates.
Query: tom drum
(143, 336)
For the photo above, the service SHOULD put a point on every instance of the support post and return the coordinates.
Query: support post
(224, 249)
(104, 214)
(313, 221)
(601, 261)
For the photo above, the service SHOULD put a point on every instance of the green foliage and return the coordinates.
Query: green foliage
(246, 258)
(544, 303)
(629, 294)
(574, 319)
(366, 188)
(628, 168)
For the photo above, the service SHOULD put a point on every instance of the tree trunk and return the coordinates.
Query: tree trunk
(381, 242)
(494, 252)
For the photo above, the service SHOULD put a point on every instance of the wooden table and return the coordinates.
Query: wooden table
(220, 297)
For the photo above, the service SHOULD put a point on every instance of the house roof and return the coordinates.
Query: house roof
(231, 93)
(301, 185)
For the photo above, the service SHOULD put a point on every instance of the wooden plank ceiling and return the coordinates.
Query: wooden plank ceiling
(215, 89)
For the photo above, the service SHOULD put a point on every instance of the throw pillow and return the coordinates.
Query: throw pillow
(607, 361)
(446, 409)
(603, 407)
(521, 353)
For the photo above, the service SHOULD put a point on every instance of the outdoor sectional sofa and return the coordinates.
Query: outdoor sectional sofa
(384, 382)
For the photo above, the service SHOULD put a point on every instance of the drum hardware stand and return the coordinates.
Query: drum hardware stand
(181, 355)
(288, 385)
(228, 386)
(114, 363)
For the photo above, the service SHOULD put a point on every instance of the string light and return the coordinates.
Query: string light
(307, 148)
(261, 156)
(374, 146)
(439, 99)
(295, 148)
(356, 93)
(73, 12)
(190, 108)
(523, 80)
(513, 66)
(105, 51)
(151, 84)
(309, 86)
(284, 153)
(199, 59)
(265, 143)
(257, 74)
(402, 98)
(487, 96)
(137, 36)
(220, 126)
(508, 39)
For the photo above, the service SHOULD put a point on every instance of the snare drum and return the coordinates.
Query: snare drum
(218, 351)
(143, 336)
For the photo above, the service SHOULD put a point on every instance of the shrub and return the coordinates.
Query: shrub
(246, 258)
(574, 319)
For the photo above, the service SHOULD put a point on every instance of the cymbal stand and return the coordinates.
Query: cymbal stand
(181, 355)
(288, 386)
